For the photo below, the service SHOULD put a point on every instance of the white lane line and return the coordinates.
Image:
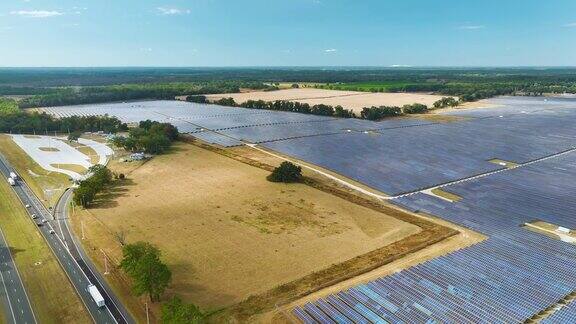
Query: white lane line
(8, 297)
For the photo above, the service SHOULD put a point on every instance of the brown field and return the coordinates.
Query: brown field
(348, 99)
(227, 233)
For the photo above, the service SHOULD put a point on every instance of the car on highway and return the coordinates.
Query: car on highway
(44, 221)
(34, 216)
(39, 224)
(27, 206)
(52, 232)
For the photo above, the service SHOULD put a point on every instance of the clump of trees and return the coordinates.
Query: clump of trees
(414, 109)
(287, 172)
(446, 102)
(151, 137)
(100, 176)
(176, 311)
(141, 261)
(197, 99)
(377, 113)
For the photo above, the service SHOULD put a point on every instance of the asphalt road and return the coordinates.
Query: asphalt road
(72, 268)
(12, 293)
(75, 249)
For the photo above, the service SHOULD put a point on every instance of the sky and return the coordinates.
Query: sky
(47, 33)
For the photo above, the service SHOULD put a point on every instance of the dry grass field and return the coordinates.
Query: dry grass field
(226, 232)
(348, 99)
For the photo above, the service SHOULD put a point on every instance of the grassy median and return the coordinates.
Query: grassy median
(52, 296)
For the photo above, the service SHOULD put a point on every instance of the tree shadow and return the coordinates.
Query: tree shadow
(107, 198)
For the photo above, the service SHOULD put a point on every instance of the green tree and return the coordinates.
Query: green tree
(176, 311)
(287, 172)
(142, 263)
(74, 136)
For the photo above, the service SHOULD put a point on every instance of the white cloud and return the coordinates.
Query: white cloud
(570, 25)
(172, 11)
(36, 13)
(330, 50)
(472, 27)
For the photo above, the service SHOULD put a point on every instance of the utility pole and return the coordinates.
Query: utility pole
(105, 263)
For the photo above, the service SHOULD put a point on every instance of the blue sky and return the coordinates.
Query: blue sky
(287, 33)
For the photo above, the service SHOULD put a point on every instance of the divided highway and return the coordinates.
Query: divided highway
(12, 292)
(80, 274)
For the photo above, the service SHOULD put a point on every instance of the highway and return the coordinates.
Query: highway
(75, 249)
(12, 292)
(78, 274)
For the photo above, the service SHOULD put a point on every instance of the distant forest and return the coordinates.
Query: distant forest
(67, 86)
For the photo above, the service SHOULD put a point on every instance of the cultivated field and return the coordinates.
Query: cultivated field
(227, 233)
(348, 99)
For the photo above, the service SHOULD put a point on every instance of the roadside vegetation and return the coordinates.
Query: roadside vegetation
(176, 311)
(87, 189)
(150, 276)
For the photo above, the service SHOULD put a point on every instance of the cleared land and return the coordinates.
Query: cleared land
(348, 99)
(227, 233)
(52, 296)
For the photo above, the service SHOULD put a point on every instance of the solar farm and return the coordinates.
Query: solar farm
(515, 275)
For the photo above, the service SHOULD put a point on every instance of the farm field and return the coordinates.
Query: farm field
(211, 210)
(354, 100)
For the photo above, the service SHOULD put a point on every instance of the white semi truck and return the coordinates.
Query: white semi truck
(11, 181)
(13, 175)
(95, 293)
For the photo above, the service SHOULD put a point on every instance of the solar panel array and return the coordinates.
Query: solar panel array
(402, 160)
(566, 314)
(509, 277)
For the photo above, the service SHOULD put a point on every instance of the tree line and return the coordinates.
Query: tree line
(100, 177)
(369, 113)
(38, 123)
(126, 92)
(150, 137)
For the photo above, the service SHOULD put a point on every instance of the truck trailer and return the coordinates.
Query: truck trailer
(11, 181)
(98, 299)
(13, 175)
